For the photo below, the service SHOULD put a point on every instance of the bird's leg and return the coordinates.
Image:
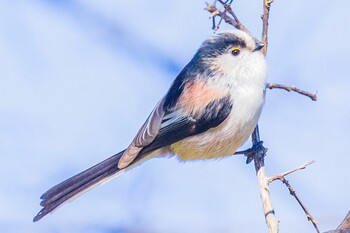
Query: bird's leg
(250, 153)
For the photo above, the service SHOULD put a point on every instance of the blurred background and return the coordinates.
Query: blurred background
(78, 79)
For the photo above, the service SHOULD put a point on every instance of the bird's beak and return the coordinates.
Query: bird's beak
(258, 46)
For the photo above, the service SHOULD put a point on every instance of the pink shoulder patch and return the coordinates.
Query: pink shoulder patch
(198, 94)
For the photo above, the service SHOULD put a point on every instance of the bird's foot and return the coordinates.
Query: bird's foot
(251, 152)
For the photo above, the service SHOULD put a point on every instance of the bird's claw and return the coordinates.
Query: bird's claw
(251, 152)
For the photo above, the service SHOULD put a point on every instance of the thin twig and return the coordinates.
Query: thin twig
(232, 21)
(265, 19)
(283, 174)
(344, 226)
(345, 223)
(215, 12)
(282, 178)
(239, 25)
(291, 88)
(293, 193)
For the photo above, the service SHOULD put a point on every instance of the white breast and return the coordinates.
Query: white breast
(247, 94)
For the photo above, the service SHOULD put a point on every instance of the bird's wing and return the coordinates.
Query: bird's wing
(176, 127)
(145, 136)
(189, 108)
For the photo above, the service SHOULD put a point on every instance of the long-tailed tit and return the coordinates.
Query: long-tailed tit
(210, 110)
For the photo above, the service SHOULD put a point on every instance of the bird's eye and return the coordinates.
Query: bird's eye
(235, 51)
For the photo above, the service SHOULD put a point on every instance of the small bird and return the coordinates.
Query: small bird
(210, 110)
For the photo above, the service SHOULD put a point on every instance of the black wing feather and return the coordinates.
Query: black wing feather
(213, 115)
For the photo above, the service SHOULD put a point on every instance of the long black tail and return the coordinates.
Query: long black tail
(77, 184)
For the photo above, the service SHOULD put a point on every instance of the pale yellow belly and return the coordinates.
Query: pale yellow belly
(216, 142)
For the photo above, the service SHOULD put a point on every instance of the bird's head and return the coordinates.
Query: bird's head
(233, 53)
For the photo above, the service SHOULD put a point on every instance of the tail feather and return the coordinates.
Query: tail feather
(77, 184)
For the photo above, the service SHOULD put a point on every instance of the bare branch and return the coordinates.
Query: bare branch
(223, 16)
(282, 178)
(346, 230)
(265, 19)
(259, 163)
(215, 12)
(270, 217)
(282, 175)
(344, 226)
(293, 193)
(291, 88)
(345, 223)
(239, 25)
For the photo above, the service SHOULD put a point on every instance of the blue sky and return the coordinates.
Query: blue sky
(78, 78)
